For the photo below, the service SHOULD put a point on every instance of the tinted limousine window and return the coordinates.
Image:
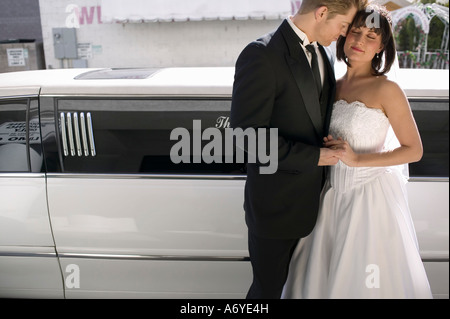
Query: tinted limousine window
(134, 135)
(20, 149)
(432, 117)
(13, 136)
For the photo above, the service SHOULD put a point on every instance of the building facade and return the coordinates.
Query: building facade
(140, 43)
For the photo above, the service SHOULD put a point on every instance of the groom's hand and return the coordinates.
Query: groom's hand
(330, 156)
(348, 156)
(331, 152)
(330, 142)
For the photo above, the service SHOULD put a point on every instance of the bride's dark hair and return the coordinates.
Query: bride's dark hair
(378, 19)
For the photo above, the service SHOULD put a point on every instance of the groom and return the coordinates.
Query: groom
(285, 80)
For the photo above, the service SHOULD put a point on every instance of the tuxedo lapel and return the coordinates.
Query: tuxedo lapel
(303, 76)
(306, 85)
(332, 91)
(330, 69)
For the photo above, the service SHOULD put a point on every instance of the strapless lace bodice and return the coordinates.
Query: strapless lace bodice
(365, 129)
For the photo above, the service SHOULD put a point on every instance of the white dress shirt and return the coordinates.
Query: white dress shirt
(302, 35)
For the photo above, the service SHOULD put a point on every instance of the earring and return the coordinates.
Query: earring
(377, 55)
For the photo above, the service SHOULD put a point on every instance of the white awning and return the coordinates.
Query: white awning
(123, 11)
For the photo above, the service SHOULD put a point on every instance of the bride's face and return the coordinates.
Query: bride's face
(362, 44)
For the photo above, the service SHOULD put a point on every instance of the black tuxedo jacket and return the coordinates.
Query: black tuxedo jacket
(274, 88)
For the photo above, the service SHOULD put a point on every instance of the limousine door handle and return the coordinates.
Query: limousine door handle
(77, 134)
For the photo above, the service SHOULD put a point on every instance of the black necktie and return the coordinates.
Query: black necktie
(315, 67)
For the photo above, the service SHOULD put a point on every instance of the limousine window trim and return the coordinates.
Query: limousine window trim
(16, 97)
(428, 98)
(429, 179)
(193, 176)
(147, 176)
(139, 96)
(170, 176)
(21, 175)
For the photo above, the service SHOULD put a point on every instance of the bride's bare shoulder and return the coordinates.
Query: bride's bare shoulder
(392, 98)
(389, 88)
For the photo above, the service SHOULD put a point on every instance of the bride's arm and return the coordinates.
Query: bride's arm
(398, 111)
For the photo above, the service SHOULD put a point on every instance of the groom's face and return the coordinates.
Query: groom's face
(329, 29)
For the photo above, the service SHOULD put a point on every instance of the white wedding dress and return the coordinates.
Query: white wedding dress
(364, 244)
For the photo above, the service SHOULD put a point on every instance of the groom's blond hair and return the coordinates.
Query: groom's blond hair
(335, 7)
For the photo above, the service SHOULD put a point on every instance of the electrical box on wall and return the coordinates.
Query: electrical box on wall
(65, 43)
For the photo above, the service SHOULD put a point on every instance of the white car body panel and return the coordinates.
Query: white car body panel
(24, 216)
(148, 217)
(145, 230)
(431, 222)
(30, 272)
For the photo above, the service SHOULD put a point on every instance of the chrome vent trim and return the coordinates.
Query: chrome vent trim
(77, 134)
(63, 133)
(91, 134)
(70, 131)
(83, 134)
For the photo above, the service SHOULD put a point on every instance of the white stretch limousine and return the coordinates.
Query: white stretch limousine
(93, 206)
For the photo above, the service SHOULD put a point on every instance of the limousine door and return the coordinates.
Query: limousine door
(127, 220)
(428, 190)
(28, 262)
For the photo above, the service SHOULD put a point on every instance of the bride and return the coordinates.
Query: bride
(364, 244)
